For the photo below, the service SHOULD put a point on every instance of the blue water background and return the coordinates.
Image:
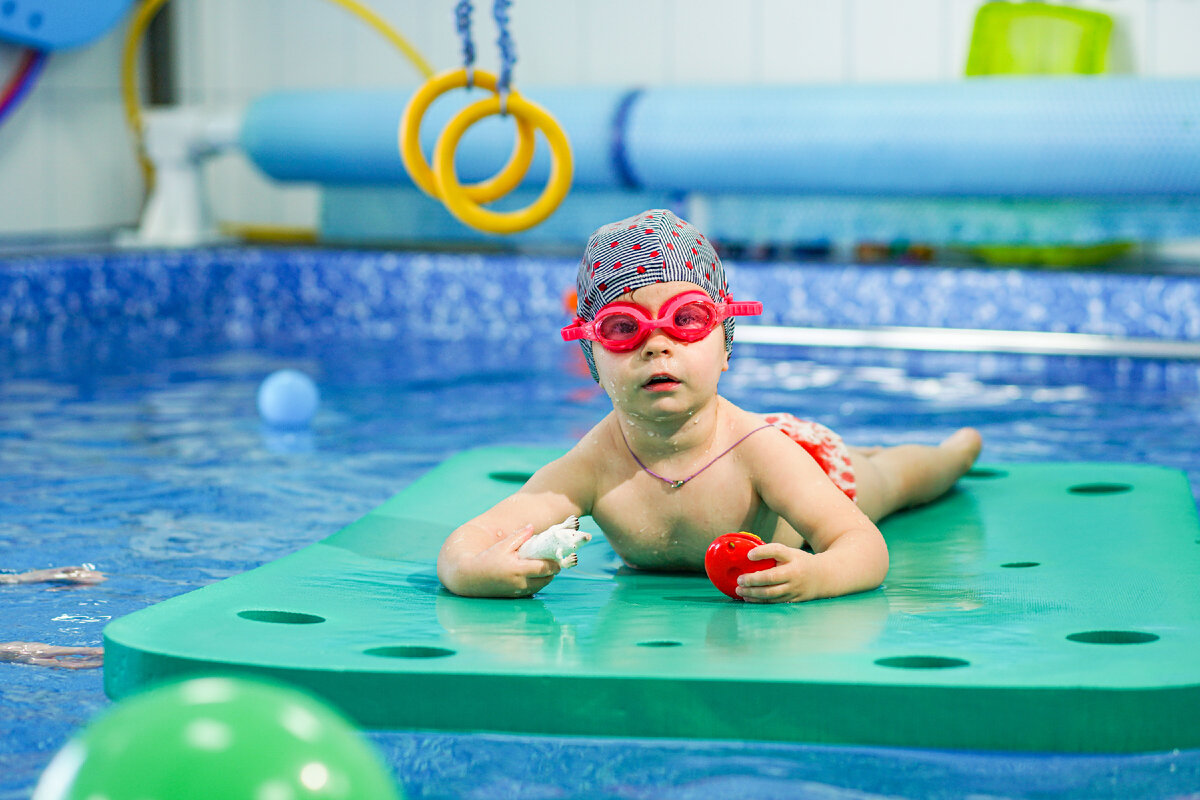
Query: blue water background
(131, 441)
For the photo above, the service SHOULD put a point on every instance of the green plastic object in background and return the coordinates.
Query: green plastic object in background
(1045, 607)
(217, 738)
(1038, 39)
(1042, 39)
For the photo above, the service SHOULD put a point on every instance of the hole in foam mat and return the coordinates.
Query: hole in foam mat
(1021, 564)
(660, 643)
(510, 477)
(986, 472)
(280, 617)
(409, 651)
(922, 662)
(1113, 637)
(1100, 488)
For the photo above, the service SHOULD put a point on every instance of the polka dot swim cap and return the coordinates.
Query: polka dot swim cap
(653, 247)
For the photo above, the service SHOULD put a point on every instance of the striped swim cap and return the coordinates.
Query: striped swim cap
(653, 247)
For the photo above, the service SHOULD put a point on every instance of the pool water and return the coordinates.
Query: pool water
(155, 467)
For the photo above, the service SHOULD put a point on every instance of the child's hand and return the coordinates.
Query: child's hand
(789, 581)
(501, 572)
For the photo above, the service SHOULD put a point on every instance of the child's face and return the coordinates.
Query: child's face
(662, 376)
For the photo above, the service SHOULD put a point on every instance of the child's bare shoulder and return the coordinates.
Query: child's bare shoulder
(579, 465)
(595, 448)
(741, 422)
(763, 447)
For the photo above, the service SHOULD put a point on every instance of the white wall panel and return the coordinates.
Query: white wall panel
(715, 42)
(1128, 49)
(189, 62)
(26, 177)
(803, 41)
(314, 41)
(376, 62)
(92, 177)
(549, 43)
(620, 54)
(246, 48)
(960, 21)
(1173, 38)
(894, 42)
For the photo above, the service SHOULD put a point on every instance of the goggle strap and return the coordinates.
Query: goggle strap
(573, 331)
(748, 308)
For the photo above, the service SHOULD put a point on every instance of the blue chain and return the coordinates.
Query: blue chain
(462, 18)
(508, 54)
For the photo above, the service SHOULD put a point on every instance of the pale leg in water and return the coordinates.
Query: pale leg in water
(49, 655)
(892, 478)
(83, 574)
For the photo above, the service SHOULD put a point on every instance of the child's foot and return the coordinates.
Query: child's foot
(950, 461)
(965, 443)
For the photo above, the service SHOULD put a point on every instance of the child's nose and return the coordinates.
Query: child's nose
(657, 342)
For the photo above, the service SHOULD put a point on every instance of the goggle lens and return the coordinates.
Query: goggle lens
(695, 318)
(619, 328)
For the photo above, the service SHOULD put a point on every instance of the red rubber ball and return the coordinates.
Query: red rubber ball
(727, 558)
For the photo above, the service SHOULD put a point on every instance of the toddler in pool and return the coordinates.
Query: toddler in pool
(675, 465)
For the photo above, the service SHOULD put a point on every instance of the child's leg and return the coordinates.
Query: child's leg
(891, 478)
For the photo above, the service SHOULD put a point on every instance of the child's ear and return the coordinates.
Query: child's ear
(725, 366)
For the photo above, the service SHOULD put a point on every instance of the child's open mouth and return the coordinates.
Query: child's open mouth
(660, 383)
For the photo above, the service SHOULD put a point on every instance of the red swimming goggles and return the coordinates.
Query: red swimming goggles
(687, 317)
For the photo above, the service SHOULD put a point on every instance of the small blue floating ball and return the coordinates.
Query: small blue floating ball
(288, 399)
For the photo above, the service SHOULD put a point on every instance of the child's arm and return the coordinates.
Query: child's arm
(849, 553)
(480, 558)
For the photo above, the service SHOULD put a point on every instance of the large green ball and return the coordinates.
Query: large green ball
(217, 738)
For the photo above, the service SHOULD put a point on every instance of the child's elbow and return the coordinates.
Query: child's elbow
(882, 562)
(448, 575)
(452, 570)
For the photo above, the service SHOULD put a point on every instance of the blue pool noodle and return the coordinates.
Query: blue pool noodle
(1029, 137)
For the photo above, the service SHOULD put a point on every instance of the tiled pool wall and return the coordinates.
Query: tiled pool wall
(102, 307)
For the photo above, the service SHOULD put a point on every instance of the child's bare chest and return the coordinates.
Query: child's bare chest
(652, 525)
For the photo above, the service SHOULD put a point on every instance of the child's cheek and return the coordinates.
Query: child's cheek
(609, 381)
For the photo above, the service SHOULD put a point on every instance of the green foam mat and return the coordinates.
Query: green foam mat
(1048, 607)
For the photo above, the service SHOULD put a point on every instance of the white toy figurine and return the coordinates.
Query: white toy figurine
(557, 543)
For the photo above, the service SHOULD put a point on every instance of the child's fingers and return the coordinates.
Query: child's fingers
(530, 567)
(775, 550)
(767, 577)
(774, 593)
(537, 568)
(519, 537)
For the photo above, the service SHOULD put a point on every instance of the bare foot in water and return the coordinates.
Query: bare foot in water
(84, 574)
(49, 655)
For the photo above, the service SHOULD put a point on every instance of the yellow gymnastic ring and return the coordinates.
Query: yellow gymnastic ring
(455, 195)
(494, 187)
